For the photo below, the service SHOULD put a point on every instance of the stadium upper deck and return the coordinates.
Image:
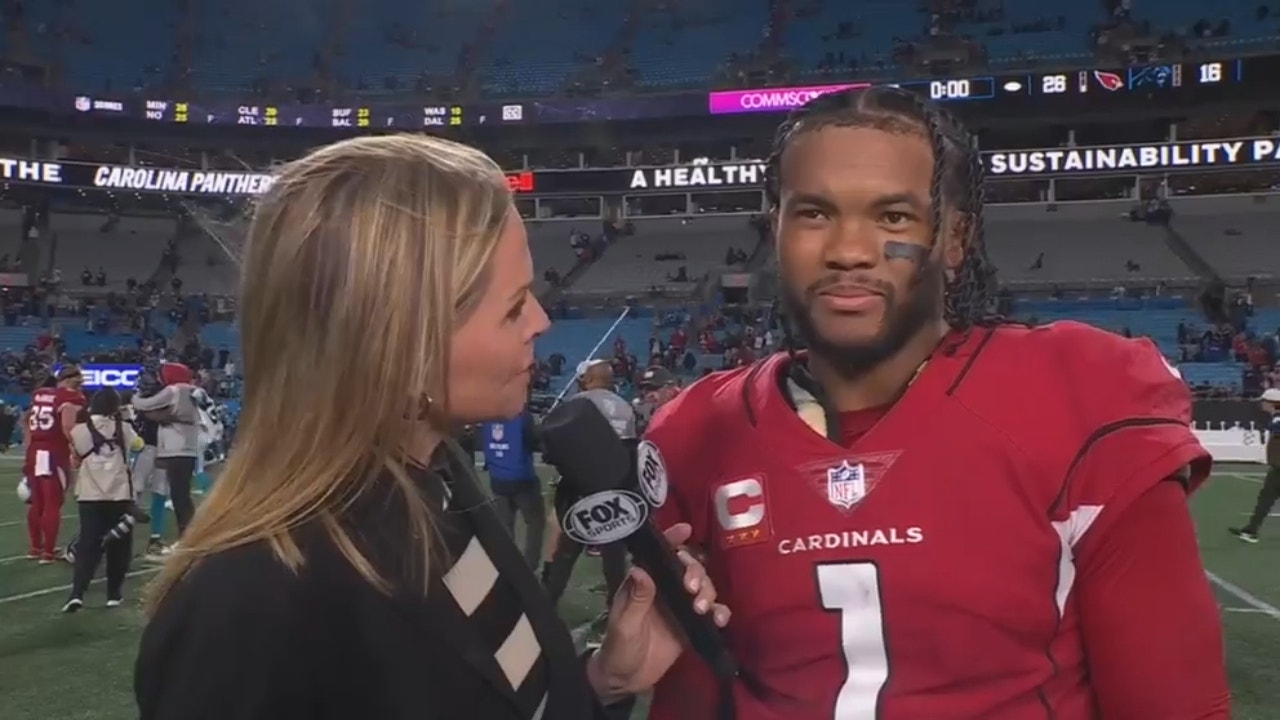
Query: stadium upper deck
(536, 47)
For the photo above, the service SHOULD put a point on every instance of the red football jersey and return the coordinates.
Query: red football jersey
(45, 417)
(927, 571)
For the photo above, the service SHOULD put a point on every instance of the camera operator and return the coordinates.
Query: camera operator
(104, 493)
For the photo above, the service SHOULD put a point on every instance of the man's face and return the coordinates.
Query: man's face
(659, 396)
(847, 194)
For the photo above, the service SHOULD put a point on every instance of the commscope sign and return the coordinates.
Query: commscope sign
(770, 99)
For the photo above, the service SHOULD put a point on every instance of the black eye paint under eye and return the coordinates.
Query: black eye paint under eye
(898, 250)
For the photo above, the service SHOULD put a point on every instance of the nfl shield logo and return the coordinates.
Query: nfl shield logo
(846, 484)
(497, 432)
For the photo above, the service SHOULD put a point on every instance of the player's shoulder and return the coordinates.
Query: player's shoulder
(1094, 370)
(1086, 343)
(716, 397)
(67, 395)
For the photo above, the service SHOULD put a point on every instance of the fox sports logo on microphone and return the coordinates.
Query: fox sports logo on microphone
(605, 517)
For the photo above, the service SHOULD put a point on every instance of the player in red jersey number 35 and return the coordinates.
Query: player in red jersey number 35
(931, 514)
(47, 463)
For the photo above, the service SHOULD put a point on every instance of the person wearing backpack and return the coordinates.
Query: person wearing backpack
(105, 495)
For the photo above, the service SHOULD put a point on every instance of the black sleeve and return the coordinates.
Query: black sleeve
(235, 640)
(531, 440)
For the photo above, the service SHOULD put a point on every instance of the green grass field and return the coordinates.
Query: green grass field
(80, 667)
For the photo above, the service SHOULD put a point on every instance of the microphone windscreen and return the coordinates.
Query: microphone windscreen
(584, 447)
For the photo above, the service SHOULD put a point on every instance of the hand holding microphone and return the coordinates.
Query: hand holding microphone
(597, 507)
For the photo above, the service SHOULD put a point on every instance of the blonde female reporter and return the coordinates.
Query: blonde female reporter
(346, 564)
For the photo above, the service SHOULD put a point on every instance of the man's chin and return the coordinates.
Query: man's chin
(851, 332)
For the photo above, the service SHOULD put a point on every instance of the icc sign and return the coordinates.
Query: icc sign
(111, 377)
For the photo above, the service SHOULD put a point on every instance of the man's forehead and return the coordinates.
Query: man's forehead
(857, 155)
(854, 138)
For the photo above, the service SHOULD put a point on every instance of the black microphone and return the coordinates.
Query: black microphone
(600, 506)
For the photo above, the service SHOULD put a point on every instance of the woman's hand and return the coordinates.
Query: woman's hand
(639, 644)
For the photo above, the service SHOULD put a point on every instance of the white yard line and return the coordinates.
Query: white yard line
(1248, 478)
(63, 588)
(16, 523)
(1245, 596)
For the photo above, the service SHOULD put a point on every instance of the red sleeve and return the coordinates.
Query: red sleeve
(1134, 432)
(675, 460)
(1152, 630)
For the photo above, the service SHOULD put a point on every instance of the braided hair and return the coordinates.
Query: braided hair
(956, 184)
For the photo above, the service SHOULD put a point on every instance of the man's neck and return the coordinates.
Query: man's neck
(883, 383)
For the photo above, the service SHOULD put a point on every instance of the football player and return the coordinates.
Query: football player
(47, 462)
(932, 513)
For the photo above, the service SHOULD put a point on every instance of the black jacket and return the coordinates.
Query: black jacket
(243, 638)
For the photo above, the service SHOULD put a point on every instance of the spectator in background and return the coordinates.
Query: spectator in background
(508, 457)
(1269, 493)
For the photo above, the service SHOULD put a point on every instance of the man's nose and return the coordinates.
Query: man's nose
(852, 244)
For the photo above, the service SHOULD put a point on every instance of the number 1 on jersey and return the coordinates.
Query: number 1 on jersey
(853, 590)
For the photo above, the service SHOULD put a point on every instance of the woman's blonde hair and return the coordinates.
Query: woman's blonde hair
(360, 262)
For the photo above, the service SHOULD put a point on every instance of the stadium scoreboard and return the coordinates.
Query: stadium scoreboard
(366, 116)
(1078, 83)
(1093, 88)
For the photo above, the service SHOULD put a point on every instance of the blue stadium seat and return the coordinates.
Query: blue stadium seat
(532, 51)
(688, 49)
(429, 38)
(18, 337)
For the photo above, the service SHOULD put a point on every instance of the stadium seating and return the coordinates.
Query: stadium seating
(685, 44)
(428, 37)
(1236, 236)
(577, 339)
(536, 47)
(241, 42)
(1080, 242)
(131, 249)
(532, 52)
(106, 62)
(549, 245)
(629, 266)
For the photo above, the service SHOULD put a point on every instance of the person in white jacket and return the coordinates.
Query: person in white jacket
(174, 407)
(105, 496)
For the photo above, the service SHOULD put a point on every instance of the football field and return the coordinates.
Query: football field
(80, 667)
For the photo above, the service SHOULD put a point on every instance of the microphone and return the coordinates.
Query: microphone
(601, 506)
